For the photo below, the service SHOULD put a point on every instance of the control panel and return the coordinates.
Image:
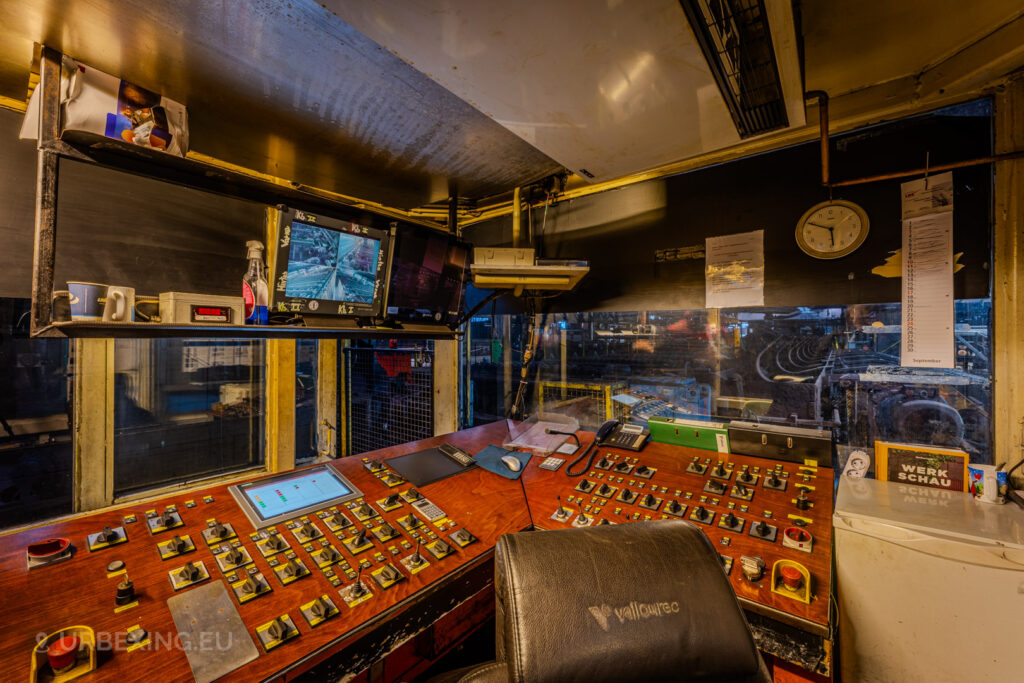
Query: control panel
(310, 562)
(770, 521)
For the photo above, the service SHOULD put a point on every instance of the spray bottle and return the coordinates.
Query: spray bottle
(254, 286)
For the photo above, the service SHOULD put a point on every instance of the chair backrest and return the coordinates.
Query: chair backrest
(633, 602)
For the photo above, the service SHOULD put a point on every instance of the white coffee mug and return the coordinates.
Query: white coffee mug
(120, 305)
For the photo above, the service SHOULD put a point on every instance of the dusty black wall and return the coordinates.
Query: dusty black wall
(121, 229)
(619, 231)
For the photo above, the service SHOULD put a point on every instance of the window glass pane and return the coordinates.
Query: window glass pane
(305, 400)
(835, 366)
(185, 409)
(36, 470)
(390, 387)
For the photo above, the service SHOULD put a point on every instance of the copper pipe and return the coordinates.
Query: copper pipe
(930, 169)
(822, 98)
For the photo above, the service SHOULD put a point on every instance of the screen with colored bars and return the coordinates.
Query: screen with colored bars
(284, 496)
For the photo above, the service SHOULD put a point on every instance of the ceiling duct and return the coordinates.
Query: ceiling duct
(737, 44)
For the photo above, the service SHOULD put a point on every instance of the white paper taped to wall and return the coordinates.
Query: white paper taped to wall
(734, 270)
(927, 340)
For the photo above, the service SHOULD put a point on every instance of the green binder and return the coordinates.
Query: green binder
(711, 436)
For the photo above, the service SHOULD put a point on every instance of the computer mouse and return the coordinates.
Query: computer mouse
(511, 462)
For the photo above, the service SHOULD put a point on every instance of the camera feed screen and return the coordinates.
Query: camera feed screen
(427, 277)
(327, 264)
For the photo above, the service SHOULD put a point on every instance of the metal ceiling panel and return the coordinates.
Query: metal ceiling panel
(605, 88)
(283, 88)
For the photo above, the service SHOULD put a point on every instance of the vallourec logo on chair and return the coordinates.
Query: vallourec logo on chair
(634, 611)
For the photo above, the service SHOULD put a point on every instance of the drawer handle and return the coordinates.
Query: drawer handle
(764, 439)
(789, 442)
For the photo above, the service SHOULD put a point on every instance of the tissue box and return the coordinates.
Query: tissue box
(101, 104)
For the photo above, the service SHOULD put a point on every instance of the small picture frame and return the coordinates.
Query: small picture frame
(921, 465)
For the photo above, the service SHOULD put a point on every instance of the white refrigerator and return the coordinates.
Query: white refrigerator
(930, 585)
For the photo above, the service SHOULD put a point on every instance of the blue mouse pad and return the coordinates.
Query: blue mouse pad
(490, 459)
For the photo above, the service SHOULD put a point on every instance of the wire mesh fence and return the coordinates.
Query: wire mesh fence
(389, 396)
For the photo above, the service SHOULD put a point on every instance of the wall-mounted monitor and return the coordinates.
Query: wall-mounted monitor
(429, 271)
(329, 267)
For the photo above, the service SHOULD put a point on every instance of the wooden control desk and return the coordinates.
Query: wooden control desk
(456, 592)
(783, 624)
(78, 591)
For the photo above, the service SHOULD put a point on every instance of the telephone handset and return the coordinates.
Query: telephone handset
(612, 433)
(617, 435)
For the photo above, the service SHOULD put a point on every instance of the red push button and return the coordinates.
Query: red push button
(792, 578)
(62, 653)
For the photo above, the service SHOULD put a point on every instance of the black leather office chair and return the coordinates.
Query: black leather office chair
(631, 602)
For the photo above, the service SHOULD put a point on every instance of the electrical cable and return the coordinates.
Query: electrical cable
(590, 461)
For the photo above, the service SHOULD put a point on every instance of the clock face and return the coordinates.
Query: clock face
(832, 229)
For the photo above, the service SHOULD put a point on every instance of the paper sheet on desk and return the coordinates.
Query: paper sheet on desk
(734, 270)
(927, 255)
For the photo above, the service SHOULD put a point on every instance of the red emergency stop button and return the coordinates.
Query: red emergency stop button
(62, 653)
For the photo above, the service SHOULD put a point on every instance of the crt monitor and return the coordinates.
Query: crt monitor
(327, 266)
(428, 277)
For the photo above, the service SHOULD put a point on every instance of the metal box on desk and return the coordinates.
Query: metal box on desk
(710, 436)
(781, 442)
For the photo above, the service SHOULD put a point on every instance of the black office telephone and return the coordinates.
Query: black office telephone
(612, 433)
(617, 435)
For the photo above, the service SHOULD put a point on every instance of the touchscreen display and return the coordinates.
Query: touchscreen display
(285, 496)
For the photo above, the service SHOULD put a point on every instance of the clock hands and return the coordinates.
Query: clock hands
(831, 231)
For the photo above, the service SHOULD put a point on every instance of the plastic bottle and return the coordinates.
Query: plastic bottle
(254, 286)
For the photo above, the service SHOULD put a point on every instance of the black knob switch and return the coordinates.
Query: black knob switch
(414, 521)
(774, 479)
(108, 535)
(189, 572)
(602, 522)
(802, 501)
(605, 489)
(674, 507)
(248, 586)
(274, 541)
(741, 490)
(391, 500)
(700, 512)
(746, 477)
(318, 608)
(289, 568)
(762, 528)
(413, 494)
(307, 530)
(218, 530)
(622, 466)
(125, 591)
(719, 471)
(176, 544)
(233, 556)
(648, 499)
(716, 486)
(365, 510)
(361, 539)
(642, 470)
(729, 520)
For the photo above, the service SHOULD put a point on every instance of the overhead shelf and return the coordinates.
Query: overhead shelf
(97, 329)
(200, 175)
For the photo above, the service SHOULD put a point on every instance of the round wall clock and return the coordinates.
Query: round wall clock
(832, 229)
